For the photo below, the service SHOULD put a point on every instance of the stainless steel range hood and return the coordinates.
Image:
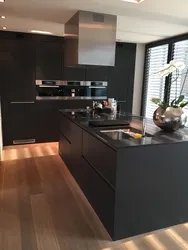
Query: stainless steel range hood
(90, 39)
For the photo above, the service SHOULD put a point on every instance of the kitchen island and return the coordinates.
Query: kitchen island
(134, 185)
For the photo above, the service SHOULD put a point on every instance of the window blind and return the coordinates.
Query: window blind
(180, 54)
(156, 58)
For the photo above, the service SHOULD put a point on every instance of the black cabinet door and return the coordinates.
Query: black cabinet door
(100, 156)
(17, 70)
(98, 192)
(97, 73)
(121, 77)
(49, 55)
(74, 74)
(19, 123)
(48, 124)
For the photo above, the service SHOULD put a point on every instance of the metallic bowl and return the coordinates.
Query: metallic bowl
(168, 122)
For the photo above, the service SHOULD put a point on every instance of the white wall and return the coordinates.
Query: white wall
(138, 78)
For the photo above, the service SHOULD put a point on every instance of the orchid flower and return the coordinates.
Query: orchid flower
(172, 67)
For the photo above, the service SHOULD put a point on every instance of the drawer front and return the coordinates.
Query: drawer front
(65, 127)
(99, 194)
(65, 148)
(100, 156)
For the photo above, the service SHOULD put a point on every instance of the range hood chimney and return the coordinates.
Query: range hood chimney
(90, 39)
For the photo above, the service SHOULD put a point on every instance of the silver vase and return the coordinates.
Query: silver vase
(167, 121)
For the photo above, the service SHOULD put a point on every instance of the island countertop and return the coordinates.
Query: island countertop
(82, 117)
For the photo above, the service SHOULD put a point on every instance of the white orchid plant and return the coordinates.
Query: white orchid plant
(169, 69)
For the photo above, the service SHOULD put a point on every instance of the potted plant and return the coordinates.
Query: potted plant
(170, 115)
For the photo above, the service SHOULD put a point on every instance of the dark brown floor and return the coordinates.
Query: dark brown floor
(42, 208)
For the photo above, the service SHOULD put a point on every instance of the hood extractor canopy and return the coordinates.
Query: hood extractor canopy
(90, 39)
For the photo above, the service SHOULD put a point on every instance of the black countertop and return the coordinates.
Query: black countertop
(155, 135)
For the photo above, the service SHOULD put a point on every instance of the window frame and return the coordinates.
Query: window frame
(170, 41)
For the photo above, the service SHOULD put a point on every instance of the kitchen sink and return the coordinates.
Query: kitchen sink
(124, 134)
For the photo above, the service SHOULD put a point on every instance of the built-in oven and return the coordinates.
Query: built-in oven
(97, 89)
(51, 88)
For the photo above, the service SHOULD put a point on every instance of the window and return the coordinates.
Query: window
(156, 58)
(180, 54)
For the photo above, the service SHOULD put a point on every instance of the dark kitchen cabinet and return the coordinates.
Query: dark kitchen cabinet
(17, 70)
(94, 151)
(70, 146)
(121, 77)
(74, 74)
(100, 195)
(19, 123)
(98, 192)
(47, 116)
(97, 73)
(49, 57)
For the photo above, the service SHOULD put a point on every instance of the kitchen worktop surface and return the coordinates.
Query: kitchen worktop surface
(153, 134)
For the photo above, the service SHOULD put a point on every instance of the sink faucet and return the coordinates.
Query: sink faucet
(119, 103)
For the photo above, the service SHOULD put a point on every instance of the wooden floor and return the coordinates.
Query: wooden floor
(42, 208)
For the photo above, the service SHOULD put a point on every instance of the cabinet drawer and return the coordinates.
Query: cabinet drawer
(65, 148)
(100, 195)
(71, 131)
(100, 156)
(65, 127)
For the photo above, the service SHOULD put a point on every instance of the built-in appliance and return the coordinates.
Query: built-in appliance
(73, 89)
(90, 39)
(97, 88)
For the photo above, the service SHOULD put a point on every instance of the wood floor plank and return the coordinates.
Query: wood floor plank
(44, 229)
(9, 212)
(73, 231)
(33, 177)
(182, 231)
(167, 241)
(28, 237)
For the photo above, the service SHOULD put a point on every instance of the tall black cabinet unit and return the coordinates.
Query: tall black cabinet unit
(121, 77)
(97, 73)
(49, 56)
(17, 69)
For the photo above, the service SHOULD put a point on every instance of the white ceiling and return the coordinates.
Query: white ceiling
(140, 23)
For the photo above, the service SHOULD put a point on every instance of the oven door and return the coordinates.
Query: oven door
(99, 91)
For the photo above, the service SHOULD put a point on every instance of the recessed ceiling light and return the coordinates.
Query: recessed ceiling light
(3, 17)
(133, 1)
(4, 28)
(41, 32)
(2, 1)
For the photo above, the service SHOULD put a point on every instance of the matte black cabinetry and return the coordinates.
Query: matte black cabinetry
(121, 77)
(74, 73)
(17, 89)
(19, 123)
(48, 118)
(25, 58)
(47, 121)
(17, 70)
(97, 73)
(99, 194)
(95, 153)
(49, 57)
(72, 148)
